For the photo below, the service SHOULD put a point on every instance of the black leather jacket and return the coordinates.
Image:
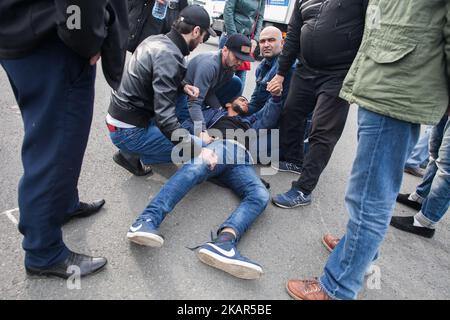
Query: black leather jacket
(151, 82)
(25, 24)
(324, 35)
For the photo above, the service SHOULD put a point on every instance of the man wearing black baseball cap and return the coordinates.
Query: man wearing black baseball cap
(197, 16)
(213, 74)
(241, 46)
(141, 116)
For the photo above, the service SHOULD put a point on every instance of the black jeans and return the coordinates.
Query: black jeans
(317, 93)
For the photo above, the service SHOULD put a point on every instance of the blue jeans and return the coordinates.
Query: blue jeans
(241, 178)
(149, 143)
(384, 144)
(241, 74)
(436, 136)
(225, 93)
(420, 152)
(54, 88)
(436, 183)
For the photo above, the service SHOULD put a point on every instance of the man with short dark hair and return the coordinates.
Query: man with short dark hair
(141, 117)
(213, 74)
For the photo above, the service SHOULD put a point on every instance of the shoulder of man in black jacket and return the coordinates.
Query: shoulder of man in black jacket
(85, 26)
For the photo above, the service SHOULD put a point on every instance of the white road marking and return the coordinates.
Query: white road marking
(9, 214)
(16, 109)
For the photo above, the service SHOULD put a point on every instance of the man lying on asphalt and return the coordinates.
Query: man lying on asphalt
(220, 160)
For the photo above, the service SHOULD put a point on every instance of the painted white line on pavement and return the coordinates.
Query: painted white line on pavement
(9, 214)
(16, 109)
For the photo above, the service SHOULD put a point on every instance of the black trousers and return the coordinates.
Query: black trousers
(317, 93)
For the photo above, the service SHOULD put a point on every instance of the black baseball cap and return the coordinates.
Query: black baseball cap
(241, 46)
(196, 15)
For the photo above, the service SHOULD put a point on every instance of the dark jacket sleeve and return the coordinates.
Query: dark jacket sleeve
(257, 99)
(260, 20)
(268, 116)
(165, 82)
(203, 78)
(88, 39)
(184, 3)
(292, 45)
(104, 29)
(365, 5)
(209, 114)
(228, 16)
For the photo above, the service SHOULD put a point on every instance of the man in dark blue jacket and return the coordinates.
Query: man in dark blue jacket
(49, 50)
(270, 46)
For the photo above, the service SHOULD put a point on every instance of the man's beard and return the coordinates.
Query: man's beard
(193, 43)
(237, 108)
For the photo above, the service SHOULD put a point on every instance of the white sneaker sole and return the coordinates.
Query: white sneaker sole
(146, 239)
(295, 206)
(282, 170)
(239, 269)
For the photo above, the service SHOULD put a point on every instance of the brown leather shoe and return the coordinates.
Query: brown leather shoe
(330, 241)
(306, 290)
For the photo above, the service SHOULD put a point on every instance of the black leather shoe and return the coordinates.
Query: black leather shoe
(88, 265)
(132, 163)
(85, 210)
(407, 224)
(403, 199)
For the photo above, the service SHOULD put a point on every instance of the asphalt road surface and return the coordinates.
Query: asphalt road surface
(287, 243)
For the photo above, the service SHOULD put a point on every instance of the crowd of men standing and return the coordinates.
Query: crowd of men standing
(391, 58)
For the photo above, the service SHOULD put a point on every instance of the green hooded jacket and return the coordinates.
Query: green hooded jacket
(402, 69)
(240, 17)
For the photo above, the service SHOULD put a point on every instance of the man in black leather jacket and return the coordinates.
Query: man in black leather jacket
(324, 36)
(49, 50)
(143, 24)
(141, 117)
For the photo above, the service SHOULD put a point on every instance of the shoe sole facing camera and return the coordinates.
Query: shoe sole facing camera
(284, 170)
(121, 161)
(146, 239)
(239, 269)
(294, 206)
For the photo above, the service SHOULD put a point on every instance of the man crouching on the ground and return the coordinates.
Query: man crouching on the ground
(142, 117)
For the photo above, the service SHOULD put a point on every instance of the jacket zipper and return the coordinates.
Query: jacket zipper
(311, 6)
(320, 12)
(305, 3)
